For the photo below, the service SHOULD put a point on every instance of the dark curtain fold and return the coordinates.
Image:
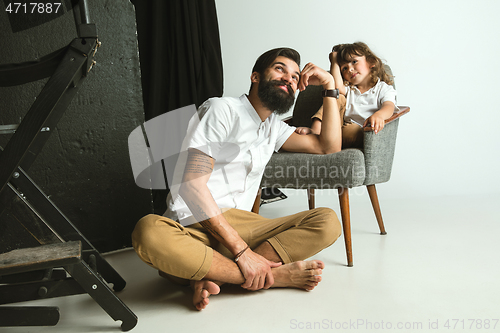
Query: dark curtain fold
(181, 61)
(179, 45)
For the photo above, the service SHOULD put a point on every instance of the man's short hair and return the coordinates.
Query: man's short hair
(267, 59)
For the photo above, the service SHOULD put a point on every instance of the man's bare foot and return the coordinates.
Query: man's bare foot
(202, 290)
(300, 274)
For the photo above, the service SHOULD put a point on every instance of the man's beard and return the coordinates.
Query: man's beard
(274, 98)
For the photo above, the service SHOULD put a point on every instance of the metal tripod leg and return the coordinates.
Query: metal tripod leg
(51, 216)
(102, 294)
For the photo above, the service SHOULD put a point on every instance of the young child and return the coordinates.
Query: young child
(367, 96)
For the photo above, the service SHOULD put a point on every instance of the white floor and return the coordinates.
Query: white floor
(437, 269)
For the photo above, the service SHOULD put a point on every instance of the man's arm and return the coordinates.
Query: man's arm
(330, 138)
(194, 190)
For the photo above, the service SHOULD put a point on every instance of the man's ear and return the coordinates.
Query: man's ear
(255, 77)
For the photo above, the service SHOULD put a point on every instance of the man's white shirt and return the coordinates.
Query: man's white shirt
(231, 132)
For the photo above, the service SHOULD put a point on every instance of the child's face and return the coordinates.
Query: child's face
(357, 70)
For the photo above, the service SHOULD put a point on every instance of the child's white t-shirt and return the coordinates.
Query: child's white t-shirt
(361, 106)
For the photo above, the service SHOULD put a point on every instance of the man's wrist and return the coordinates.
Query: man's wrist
(239, 254)
(334, 93)
(329, 85)
(237, 247)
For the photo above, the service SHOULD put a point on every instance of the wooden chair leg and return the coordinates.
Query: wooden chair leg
(256, 204)
(372, 191)
(346, 222)
(310, 197)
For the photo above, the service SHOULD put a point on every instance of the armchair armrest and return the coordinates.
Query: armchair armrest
(398, 113)
(379, 152)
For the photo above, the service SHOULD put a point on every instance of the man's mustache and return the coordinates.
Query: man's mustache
(281, 83)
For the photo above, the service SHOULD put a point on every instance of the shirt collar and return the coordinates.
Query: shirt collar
(371, 90)
(250, 109)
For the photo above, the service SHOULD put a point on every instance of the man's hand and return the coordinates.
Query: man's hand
(312, 74)
(257, 270)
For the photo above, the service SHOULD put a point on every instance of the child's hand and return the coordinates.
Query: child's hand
(303, 130)
(333, 57)
(376, 122)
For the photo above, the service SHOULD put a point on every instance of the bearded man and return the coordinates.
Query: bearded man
(209, 236)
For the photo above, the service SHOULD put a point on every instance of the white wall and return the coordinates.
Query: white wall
(444, 53)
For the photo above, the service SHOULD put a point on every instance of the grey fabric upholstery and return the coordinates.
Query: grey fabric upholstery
(303, 171)
(347, 168)
(379, 153)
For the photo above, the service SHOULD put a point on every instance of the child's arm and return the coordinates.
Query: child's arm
(377, 120)
(337, 75)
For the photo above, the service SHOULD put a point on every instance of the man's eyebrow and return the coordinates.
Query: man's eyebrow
(283, 64)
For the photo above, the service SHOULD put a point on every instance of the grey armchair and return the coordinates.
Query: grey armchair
(342, 170)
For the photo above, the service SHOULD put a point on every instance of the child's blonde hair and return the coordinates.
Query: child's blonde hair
(345, 52)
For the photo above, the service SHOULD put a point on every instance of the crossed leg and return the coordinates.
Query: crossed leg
(191, 253)
(300, 274)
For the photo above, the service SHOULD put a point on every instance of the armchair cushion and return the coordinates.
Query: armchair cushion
(301, 171)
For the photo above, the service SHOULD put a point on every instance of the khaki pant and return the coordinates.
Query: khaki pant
(352, 136)
(186, 252)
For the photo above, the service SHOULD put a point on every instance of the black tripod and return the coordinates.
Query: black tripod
(41, 272)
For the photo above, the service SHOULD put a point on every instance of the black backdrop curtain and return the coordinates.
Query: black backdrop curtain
(181, 61)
